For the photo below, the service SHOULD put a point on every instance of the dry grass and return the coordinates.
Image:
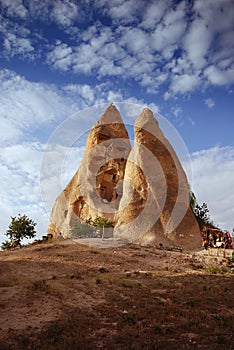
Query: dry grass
(68, 296)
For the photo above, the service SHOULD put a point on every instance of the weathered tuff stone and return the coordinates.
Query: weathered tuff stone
(96, 187)
(155, 207)
(147, 196)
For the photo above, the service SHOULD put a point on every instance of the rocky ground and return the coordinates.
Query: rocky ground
(69, 296)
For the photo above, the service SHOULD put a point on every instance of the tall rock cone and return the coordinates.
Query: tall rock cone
(155, 205)
(96, 187)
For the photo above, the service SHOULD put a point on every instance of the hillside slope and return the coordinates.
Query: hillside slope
(68, 296)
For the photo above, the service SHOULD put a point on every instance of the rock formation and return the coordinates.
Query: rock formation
(155, 205)
(96, 187)
(143, 191)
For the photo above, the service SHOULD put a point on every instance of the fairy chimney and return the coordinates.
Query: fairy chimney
(155, 205)
(144, 190)
(96, 187)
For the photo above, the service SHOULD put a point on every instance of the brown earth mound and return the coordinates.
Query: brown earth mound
(68, 296)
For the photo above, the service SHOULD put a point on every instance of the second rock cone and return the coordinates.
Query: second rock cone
(155, 204)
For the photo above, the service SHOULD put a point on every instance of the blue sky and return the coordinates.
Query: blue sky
(59, 57)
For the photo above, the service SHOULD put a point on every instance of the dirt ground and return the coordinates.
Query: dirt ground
(66, 295)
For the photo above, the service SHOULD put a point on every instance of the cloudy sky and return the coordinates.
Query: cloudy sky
(59, 57)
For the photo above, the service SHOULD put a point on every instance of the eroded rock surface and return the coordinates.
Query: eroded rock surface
(155, 205)
(144, 190)
(96, 187)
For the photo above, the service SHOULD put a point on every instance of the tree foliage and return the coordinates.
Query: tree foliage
(79, 228)
(7, 245)
(202, 216)
(100, 221)
(201, 212)
(193, 200)
(21, 227)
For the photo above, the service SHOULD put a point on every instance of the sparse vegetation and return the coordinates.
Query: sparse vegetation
(80, 229)
(90, 228)
(69, 297)
(218, 270)
(40, 286)
(201, 212)
(202, 215)
(8, 244)
(100, 222)
(20, 227)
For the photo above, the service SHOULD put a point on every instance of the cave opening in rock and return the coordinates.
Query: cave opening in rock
(106, 184)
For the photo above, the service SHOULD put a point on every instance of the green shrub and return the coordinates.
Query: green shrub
(80, 229)
(7, 245)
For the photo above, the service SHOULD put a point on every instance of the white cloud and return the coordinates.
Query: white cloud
(152, 83)
(213, 182)
(14, 8)
(109, 69)
(16, 39)
(26, 105)
(103, 36)
(220, 77)
(71, 163)
(177, 111)
(122, 11)
(136, 40)
(20, 193)
(9, 131)
(58, 165)
(176, 14)
(64, 12)
(23, 157)
(153, 14)
(85, 91)
(220, 10)
(140, 39)
(209, 102)
(17, 46)
(197, 43)
(225, 63)
(180, 66)
(114, 96)
(40, 9)
(170, 30)
(105, 56)
(60, 57)
(184, 83)
(27, 110)
(86, 60)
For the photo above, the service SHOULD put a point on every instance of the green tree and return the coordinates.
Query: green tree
(20, 227)
(80, 229)
(100, 221)
(202, 216)
(105, 225)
